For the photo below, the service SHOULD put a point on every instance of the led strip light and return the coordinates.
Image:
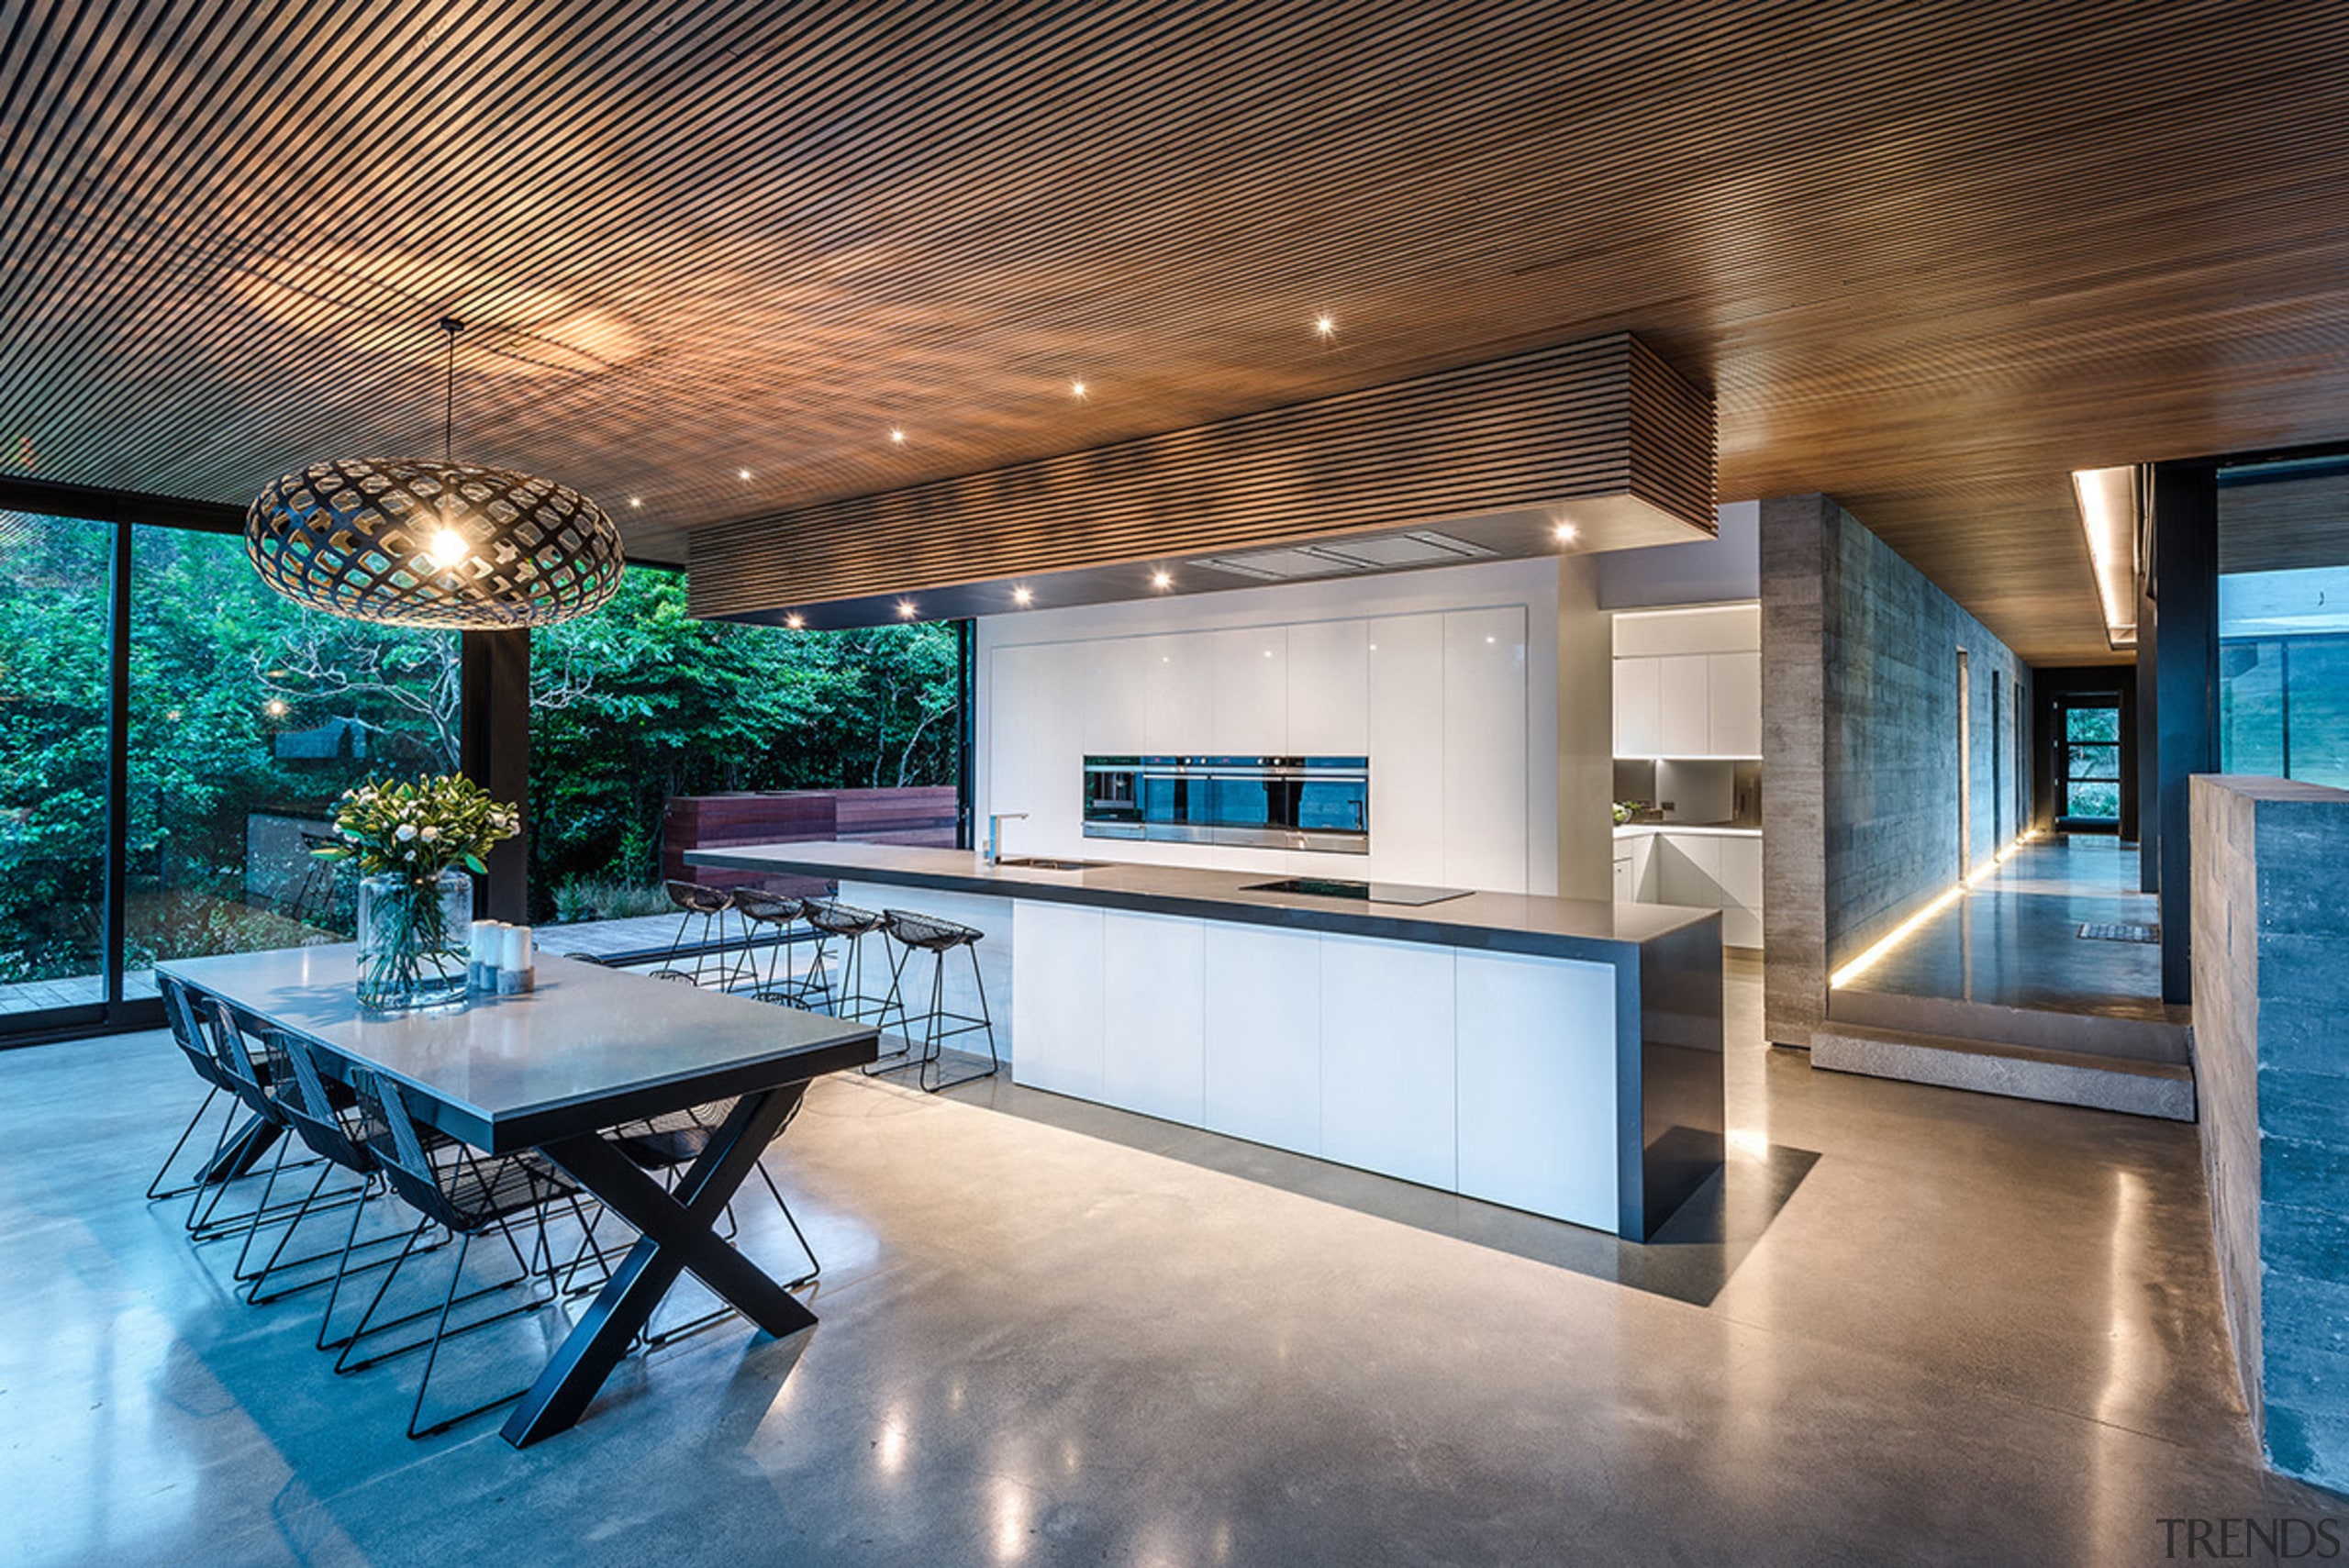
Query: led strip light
(1942, 901)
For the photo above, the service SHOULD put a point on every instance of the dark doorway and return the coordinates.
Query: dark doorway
(2084, 731)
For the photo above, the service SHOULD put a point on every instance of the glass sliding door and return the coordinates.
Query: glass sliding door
(248, 717)
(53, 688)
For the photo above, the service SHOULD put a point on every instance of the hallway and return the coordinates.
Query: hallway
(2013, 940)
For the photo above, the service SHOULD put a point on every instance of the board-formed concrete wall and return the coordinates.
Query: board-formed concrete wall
(2271, 1067)
(1890, 708)
(1860, 742)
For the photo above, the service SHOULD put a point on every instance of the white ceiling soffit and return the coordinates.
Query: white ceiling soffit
(1390, 552)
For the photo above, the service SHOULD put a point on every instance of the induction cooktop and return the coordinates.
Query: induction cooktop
(1366, 892)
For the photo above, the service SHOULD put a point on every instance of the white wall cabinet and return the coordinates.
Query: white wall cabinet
(1638, 729)
(1153, 1018)
(1116, 696)
(1536, 1071)
(1437, 700)
(1484, 749)
(1251, 701)
(1688, 682)
(1178, 692)
(1684, 703)
(1036, 727)
(1404, 661)
(1734, 704)
(1056, 1001)
(1328, 689)
(1263, 1035)
(1388, 1080)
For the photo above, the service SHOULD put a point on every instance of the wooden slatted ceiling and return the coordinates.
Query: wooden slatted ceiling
(1926, 257)
(1597, 435)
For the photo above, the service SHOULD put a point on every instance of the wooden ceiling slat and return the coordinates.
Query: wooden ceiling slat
(1927, 257)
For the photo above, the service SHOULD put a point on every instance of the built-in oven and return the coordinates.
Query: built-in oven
(1177, 800)
(1287, 803)
(1113, 797)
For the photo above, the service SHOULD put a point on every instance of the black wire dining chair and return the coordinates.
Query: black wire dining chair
(179, 1016)
(471, 1195)
(224, 1036)
(325, 1115)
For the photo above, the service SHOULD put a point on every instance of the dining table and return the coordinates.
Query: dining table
(555, 1068)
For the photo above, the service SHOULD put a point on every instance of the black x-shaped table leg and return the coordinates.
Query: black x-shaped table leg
(677, 1232)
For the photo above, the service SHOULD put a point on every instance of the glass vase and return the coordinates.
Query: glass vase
(414, 937)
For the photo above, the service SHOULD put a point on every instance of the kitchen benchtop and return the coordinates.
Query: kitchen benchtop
(1715, 830)
(1506, 922)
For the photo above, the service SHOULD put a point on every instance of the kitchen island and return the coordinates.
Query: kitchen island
(1558, 1055)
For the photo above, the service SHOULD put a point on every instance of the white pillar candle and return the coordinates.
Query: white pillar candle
(514, 952)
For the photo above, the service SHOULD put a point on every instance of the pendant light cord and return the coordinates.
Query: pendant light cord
(451, 325)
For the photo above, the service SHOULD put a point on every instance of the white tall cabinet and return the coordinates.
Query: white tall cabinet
(1438, 701)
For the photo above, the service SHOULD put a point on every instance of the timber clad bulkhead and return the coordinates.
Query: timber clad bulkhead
(1601, 432)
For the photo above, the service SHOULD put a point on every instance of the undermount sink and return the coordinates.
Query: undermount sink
(1039, 863)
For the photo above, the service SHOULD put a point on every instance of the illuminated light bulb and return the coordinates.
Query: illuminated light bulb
(635, 502)
(1566, 533)
(905, 609)
(795, 622)
(744, 472)
(1324, 326)
(1020, 596)
(447, 548)
(896, 434)
(276, 708)
(1076, 389)
(1161, 580)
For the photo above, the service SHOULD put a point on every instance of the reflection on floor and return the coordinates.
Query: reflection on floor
(2014, 939)
(1975, 1330)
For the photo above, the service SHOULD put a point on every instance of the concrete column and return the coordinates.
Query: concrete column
(1795, 565)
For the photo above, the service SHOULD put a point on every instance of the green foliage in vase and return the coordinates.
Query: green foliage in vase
(419, 829)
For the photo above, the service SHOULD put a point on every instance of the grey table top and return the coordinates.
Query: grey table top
(1510, 922)
(588, 1049)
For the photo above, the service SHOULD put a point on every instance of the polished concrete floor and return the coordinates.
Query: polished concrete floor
(1918, 1326)
(2014, 939)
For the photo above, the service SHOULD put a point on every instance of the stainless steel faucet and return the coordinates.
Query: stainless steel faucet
(995, 819)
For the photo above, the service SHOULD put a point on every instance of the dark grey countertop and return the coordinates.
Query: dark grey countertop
(1503, 922)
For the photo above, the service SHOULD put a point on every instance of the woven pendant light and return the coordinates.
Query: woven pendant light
(408, 542)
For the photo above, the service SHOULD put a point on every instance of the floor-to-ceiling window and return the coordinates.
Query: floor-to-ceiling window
(2284, 618)
(641, 704)
(53, 689)
(248, 717)
(177, 821)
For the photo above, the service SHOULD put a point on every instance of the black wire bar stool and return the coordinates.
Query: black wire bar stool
(471, 1195)
(924, 933)
(848, 925)
(707, 904)
(776, 914)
